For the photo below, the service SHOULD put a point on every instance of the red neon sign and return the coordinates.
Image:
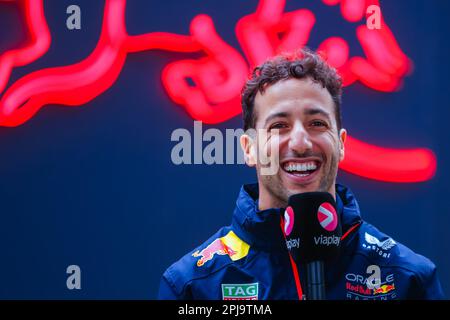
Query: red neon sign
(219, 75)
(39, 42)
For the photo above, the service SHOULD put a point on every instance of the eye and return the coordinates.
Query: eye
(278, 125)
(319, 123)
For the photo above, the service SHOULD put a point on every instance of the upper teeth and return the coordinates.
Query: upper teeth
(300, 166)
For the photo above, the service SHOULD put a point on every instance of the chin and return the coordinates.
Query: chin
(300, 189)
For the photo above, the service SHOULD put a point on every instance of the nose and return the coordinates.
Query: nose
(299, 140)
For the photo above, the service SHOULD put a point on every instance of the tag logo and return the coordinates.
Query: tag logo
(288, 220)
(240, 291)
(327, 216)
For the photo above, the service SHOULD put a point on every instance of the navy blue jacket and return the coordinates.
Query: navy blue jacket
(249, 260)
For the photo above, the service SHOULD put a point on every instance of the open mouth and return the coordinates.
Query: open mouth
(301, 168)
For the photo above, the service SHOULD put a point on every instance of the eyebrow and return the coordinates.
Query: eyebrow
(314, 111)
(308, 112)
(275, 115)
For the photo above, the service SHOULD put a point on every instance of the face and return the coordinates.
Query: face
(298, 118)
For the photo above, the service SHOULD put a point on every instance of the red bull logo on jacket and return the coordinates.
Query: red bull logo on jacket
(358, 289)
(384, 289)
(229, 245)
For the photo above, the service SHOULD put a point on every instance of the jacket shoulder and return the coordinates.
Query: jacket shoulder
(220, 250)
(382, 249)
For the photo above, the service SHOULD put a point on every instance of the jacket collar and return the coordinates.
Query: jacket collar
(262, 228)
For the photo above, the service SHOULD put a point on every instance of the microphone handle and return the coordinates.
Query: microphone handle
(316, 281)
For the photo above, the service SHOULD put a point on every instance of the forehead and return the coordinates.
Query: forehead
(291, 96)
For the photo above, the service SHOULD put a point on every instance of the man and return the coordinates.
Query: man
(296, 101)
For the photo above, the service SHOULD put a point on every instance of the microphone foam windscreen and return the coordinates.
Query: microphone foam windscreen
(312, 227)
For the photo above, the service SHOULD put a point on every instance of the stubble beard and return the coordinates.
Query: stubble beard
(280, 195)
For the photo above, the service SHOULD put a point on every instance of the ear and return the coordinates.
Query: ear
(342, 138)
(248, 147)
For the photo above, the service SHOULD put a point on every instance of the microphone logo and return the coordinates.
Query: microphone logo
(327, 216)
(288, 220)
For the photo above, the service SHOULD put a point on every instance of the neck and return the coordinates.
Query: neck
(268, 201)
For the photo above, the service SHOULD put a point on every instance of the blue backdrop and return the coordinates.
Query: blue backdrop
(95, 186)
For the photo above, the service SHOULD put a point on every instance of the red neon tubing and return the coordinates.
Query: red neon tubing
(219, 75)
(37, 44)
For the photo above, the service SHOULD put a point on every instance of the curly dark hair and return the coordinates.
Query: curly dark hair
(301, 64)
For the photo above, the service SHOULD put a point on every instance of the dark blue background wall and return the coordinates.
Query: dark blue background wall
(95, 186)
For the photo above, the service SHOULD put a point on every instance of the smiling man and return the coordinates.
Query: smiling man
(295, 101)
(306, 118)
